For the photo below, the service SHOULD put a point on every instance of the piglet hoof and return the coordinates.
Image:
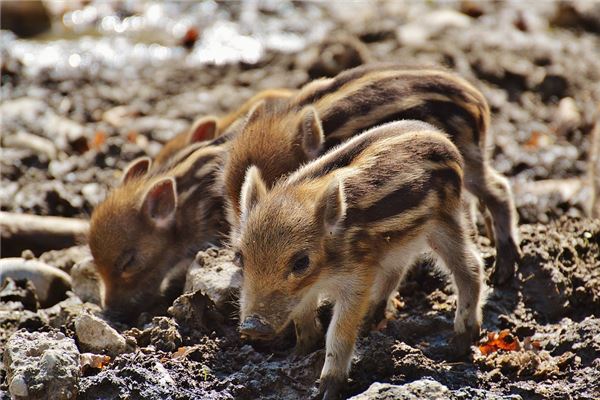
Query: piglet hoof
(330, 388)
(460, 347)
(507, 257)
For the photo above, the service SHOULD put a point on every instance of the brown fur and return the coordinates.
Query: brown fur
(273, 139)
(160, 219)
(361, 213)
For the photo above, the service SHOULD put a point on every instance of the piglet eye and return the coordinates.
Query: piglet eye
(300, 264)
(238, 259)
(127, 261)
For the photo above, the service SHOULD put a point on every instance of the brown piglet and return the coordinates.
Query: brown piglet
(145, 234)
(347, 227)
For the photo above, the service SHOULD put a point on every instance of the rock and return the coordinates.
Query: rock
(96, 336)
(65, 259)
(580, 14)
(13, 317)
(86, 281)
(420, 389)
(20, 291)
(51, 284)
(64, 313)
(554, 85)
(426, 389)
(25, 18)
(335, 55)
(214, 273)
(41, 365)
(37, 144)
(567, 117)
(196, 311)
(417, 32)
(164, 334)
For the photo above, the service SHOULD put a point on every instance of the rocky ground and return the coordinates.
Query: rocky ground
(115, 82)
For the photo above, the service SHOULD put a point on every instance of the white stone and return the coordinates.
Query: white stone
(96, 336)
(214, 274)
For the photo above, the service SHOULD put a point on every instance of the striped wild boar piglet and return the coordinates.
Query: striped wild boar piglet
(145, 234)
(347, 227)
(279, 138)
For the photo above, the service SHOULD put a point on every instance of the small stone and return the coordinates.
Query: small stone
(37, 144)
(96, 336)
(20, 291)
(419, 389)
(86, 282)
(214, 273)
(18, 386)
(567, 117)
(27, 254)
(164, 334)
(196, 311)
(65, 312)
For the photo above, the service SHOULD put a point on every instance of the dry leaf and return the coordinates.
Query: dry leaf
(94, 361)
(98, 140)
(500, 341)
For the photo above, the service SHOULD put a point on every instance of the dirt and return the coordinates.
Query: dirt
(115, 101)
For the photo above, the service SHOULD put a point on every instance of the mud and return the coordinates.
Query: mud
(100, 100)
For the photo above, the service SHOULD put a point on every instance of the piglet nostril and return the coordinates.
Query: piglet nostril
(253, 326)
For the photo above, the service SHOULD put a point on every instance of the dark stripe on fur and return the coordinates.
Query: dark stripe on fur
(338, 82)
(404, 198)
(343, 159)
(365, 101)
(404, 232)
(440, 114)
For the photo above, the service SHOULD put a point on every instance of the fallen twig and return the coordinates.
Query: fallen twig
(39, 233)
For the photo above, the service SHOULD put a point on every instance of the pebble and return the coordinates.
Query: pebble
(96, 336)
(86, 281)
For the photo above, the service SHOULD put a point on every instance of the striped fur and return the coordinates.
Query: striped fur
(151, 226)
(274, 138)
(361, 213)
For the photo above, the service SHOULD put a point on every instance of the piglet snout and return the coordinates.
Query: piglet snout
(256, 328)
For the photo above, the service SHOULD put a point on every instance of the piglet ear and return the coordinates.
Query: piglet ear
(331, 206)
(256, 111)
(160, 203)
(253, 190)
(136, 169)
(310, 133)
(203, 129)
